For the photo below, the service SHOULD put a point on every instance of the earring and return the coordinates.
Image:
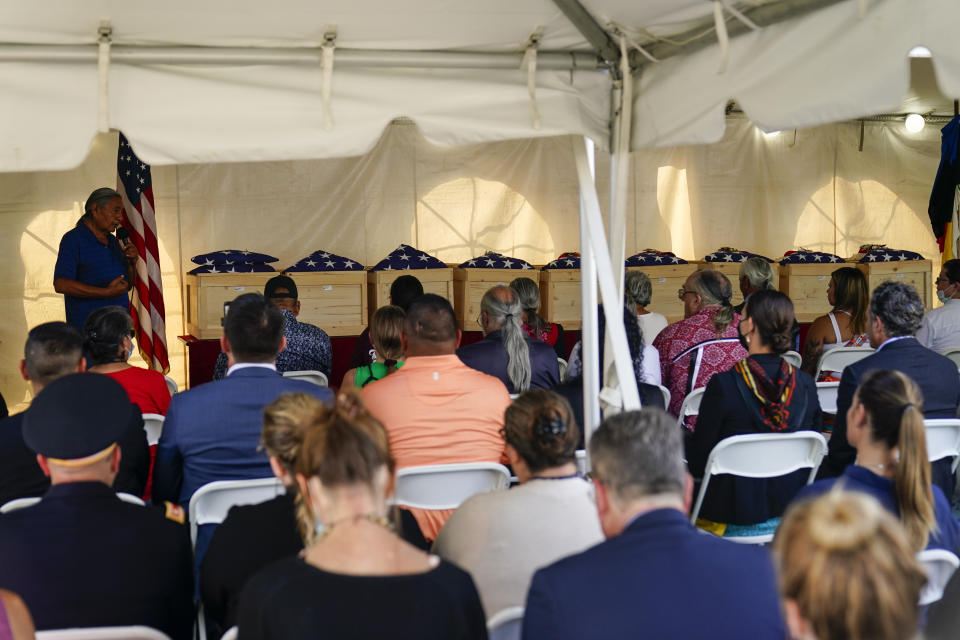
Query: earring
(747, 340)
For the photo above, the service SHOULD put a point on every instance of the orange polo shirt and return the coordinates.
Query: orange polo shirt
(437, 410)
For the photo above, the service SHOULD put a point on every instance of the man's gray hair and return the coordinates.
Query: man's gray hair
(637, 288)
(99, 197)
(639, 454)
(899, 306)
(758, 273)
(504, 313)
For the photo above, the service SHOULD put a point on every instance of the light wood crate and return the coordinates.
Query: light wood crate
(469, 285)
(666, 280)
(335, 301)
(438, 281)
(919, 273)
(207, 293)
(732, 271)
(806, 285)
(560, 297)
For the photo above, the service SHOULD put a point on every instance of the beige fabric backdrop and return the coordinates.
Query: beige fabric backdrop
(812, 188)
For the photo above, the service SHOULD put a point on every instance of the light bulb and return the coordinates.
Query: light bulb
(914, 123)
(771, 134)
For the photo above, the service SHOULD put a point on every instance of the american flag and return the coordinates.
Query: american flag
(146, 306)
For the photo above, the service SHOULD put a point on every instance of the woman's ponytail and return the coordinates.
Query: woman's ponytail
(911, 480)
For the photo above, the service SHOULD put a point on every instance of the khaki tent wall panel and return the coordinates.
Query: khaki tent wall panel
(919, 273)
(335, 301)
(560, 297)
(438, 281)
(665, 281)
(732, 271)
(807, 284)
(469, 285)
(207, 293)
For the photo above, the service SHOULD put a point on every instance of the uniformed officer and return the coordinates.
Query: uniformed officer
(82, 557)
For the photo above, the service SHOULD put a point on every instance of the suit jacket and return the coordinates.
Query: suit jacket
(937, 378)
(659, 579)
(490, 356)
(81, 557)
(212, 432)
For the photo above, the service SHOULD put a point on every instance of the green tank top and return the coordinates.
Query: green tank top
(371, 373)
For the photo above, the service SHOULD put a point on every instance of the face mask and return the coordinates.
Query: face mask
(942, 295)
(130, 353)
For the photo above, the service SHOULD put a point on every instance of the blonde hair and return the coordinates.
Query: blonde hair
(385, 328)
(284, 425)
(847, 564)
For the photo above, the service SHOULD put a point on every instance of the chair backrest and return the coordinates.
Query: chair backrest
(691, 404)
(562, 365)
(581, 460)
(666, 395)
(172, 385)
(19, 503)
(104, 633)
(793, 358)
(840, 358)
(505, 624)
(231, 634)
(446, 486)
(318, 378)
(153, 425)
(943, 439)
(953, 354)
(827, 395)
(763, 455)
(210, 503)
(130, 498)
(939, 566)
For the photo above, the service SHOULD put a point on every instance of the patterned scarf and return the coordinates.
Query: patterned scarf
(774, 395)
(540, 334)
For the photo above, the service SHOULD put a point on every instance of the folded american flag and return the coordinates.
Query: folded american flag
(230, 257)
(652, 258)
(728, 254)
(406, 257)
(491, 260)
(883, 254)
(234, 267)
(565, 261)
(805, 256)
(325, 261)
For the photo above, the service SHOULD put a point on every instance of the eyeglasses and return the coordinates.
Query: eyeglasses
(682, 292)
(940, 280)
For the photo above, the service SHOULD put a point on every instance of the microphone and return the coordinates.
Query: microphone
(123, 236)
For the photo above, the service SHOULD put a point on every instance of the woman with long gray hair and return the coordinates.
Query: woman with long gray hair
(637, 291)
(533, 324)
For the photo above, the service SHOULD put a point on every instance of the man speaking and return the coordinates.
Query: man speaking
(92, 269)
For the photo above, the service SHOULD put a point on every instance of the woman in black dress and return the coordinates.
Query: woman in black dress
(358, 579)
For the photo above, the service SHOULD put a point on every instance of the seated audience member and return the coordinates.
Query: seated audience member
(756, 274)
(53, 350)
(506, 352)
(762, 393)
(885, 426)
(385, 328)
(308, 346)
(940, 329)
(436, 409)
(357, 579)
(15, 620)
(528, 293)
(847, 571)
(845, 325)
(705, 342)
(403, 291)
(108, 342)
(655, 576)
(502, 537)
(82, 557)
(896, 312)
(637, 291)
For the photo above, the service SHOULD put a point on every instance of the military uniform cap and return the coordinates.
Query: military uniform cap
(77, 416)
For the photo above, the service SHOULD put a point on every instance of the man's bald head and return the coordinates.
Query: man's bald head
(430, 327)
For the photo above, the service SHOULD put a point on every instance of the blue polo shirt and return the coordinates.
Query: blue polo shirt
(87, 260)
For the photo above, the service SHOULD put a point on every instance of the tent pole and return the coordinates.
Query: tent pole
(590, 29)
(589, 338)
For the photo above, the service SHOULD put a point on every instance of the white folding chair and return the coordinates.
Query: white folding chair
(153, 425)
(666, 395)
(231, 634)
(691, 404)
(939, 565)
(562, 365)
(446, 486)
(210, 503)
(581, 460)
(103, 633)
(19, 503)
(762, 455)
(130, 498)
(318, 378)
(793, 358)
(953, 354)
(505, 624)
(943, 440)
(172, 385)
(840, 358)
(827, 394)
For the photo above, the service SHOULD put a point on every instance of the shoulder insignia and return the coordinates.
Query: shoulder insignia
(175, 512)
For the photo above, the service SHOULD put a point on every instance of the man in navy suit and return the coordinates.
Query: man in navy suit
(212, 432)
(655, 576)
(896, 313)
(506, 351)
